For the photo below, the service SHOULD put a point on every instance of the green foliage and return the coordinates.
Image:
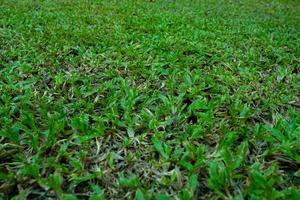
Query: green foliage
(131, 182)
(138, 99)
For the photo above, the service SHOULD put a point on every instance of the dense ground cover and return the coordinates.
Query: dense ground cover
(132, 99)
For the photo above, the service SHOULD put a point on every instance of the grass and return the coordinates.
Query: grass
(145, 99)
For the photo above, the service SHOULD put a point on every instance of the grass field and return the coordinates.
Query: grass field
(137, 99)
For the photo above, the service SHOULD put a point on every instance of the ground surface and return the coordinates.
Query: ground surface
(149, 100)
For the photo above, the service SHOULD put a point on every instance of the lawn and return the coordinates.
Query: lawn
(140, 99)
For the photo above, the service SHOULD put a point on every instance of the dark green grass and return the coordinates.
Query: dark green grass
(158, 100)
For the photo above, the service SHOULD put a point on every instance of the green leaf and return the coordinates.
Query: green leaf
(245, 112)
(199, 104)
(159, 147)
(68, 197)
(55, 181)
(139, 195)
(98, 193)
(162, 197)
(130, 182)
(241, 153)
(193, 182)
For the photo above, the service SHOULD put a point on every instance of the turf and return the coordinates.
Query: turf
(162, 99)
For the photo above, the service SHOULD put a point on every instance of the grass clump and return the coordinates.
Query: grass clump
(126, 99)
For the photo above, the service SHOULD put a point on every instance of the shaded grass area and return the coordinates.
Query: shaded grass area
(141, 100)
